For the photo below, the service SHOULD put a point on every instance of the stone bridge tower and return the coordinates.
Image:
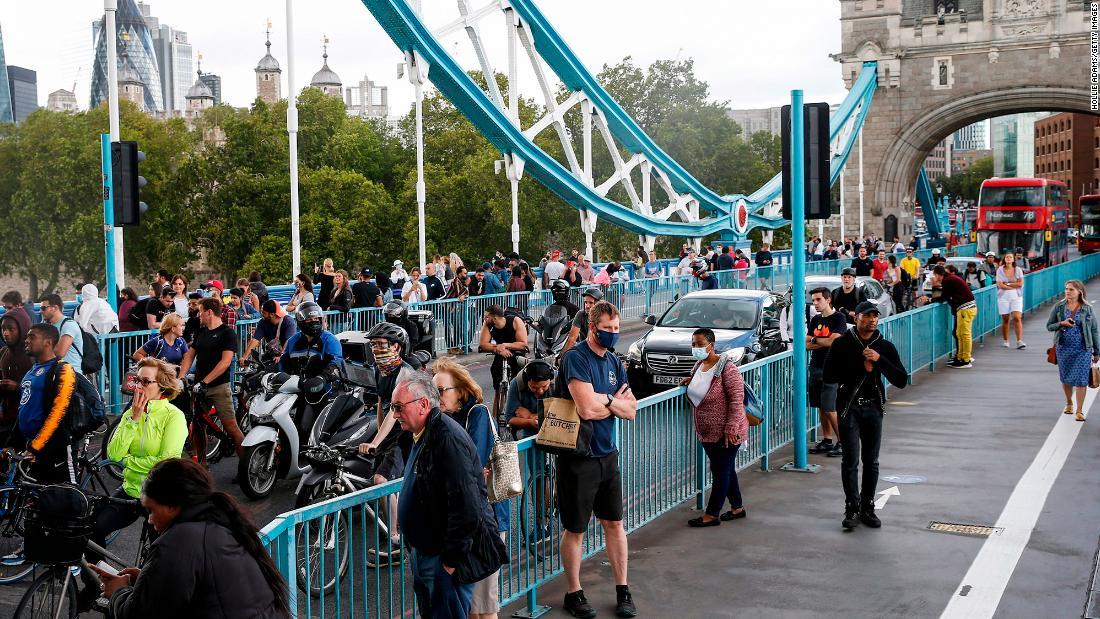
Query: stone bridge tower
(942, 65)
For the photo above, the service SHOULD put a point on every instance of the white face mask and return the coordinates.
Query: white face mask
(699, 353)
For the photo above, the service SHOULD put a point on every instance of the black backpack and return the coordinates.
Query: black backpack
(86, 412)
(91, 359)
(136, 315)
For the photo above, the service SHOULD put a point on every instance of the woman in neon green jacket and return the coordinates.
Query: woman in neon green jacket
(150, 431)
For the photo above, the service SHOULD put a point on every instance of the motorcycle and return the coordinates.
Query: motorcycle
(551, 331)
(271, 447)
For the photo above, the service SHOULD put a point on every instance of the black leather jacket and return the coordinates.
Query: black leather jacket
(844, 366)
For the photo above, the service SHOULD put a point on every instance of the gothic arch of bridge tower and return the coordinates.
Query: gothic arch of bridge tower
(940, 70)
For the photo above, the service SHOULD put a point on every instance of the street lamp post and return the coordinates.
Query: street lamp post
(292, 132)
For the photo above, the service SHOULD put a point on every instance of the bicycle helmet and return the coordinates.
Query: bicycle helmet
(395, 311)
(391, 333)
(559, 290)
(698, 267)
(595, 293)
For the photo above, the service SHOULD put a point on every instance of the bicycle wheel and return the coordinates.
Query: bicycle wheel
(101, 477)
(116, 470)
(13, 566)
(52, 594)
(324, 546)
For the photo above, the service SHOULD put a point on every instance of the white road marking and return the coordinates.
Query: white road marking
(886, 494)
(980, 591)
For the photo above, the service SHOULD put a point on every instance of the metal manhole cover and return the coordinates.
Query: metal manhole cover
(972, 530)
(905, 479)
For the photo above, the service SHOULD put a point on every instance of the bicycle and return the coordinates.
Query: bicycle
(59, 542)
(13, 565)
(207, 440)
(500, 397)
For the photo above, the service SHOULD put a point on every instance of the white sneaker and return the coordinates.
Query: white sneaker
(1004, 344)
(1020, 345)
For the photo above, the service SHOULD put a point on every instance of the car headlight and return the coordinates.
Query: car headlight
(736, 355)
(634, 353)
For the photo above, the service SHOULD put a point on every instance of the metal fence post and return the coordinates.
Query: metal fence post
(765, 397)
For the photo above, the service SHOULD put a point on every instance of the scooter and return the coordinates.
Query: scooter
(270, 449)
(346, 422)
(551, 331)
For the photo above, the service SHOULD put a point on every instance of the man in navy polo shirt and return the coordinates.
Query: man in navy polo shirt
(597, 384)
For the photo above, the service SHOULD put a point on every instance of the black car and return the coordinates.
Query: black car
(745, 323)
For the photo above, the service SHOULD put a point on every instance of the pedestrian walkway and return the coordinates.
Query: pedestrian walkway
(968, 439)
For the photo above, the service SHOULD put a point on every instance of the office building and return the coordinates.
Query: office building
(23, 86)
(754, 120)
(971, 137)
(5, 94)
(938, 162)
(214, 83)
(135, 40)
(1012, 139)
(367, 100)
(61, 101)
(174, 62)
(963, 160)
(1065, 150)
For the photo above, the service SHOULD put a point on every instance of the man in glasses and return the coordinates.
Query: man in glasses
(443, 509)
(70, 344)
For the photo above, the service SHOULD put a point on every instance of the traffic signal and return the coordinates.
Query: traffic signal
(817, 161)
(128, 182)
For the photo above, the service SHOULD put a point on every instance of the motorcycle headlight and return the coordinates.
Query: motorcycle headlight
(261, 418)
(634, 353)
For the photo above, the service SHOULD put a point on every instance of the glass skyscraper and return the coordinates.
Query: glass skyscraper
(135, 40)
(5, 95)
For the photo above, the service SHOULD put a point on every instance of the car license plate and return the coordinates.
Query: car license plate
(667, 380)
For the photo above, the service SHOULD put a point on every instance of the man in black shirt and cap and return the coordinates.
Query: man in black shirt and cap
(857, 362)
(366, 291)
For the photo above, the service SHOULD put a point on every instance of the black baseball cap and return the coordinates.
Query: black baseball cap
(867, 307)
(848, 271)
(365, 272)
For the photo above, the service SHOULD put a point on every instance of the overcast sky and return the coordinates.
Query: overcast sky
(751, 53)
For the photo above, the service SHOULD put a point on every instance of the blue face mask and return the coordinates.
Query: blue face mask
(79, 299)
(607, 339)
(699, 353)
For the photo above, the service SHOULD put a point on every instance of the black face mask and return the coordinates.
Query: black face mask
(312, 328)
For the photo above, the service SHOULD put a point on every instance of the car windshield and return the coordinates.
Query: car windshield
(712, 313)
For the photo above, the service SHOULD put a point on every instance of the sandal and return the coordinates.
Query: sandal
(1068, 409)
(1080, 416)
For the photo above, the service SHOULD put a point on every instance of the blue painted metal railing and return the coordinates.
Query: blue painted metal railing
(662, 465)
(457, 323)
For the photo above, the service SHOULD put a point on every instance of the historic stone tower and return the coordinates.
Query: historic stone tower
(942, 65)
(269, 85)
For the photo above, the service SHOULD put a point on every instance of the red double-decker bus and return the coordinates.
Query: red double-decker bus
(1030, 215)
(1088, 227)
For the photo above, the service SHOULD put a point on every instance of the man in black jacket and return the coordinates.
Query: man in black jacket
(443, 510)
(857, 363)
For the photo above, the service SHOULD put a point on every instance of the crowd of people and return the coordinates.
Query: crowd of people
(435, 430)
